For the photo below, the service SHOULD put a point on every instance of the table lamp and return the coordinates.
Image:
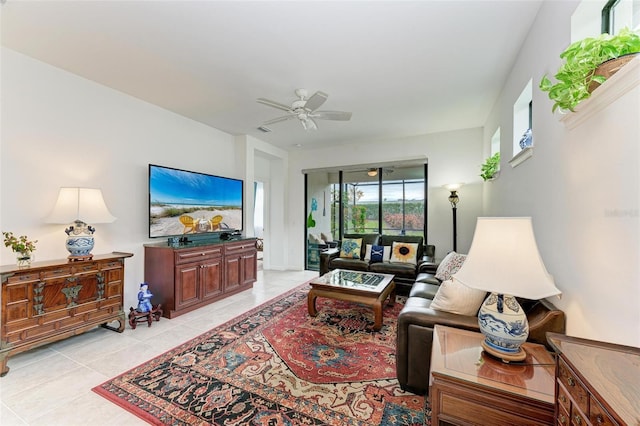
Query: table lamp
(504, 261)
(77, 206)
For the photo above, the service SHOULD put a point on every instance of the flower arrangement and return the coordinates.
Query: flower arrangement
(19, 244)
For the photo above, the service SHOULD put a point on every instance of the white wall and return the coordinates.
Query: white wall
(452, 156)
(582, 189)
(61, 130)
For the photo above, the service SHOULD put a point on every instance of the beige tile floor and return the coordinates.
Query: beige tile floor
(51, 385)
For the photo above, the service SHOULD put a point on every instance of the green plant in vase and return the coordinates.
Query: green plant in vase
(577, 77)
(21, 246)
(490, 167)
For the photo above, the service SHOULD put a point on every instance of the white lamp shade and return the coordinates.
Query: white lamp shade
(504, 259)
(85, 204)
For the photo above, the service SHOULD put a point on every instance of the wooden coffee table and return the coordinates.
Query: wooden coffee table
(368, 288)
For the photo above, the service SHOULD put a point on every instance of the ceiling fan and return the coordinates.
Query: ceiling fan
(305, 109)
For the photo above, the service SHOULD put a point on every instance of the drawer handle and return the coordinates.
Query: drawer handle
(599, 419)
(577, 419)
(571, 381)
(563, 398)
(562, 419)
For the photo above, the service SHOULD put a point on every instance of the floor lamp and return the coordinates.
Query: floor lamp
(453, 199)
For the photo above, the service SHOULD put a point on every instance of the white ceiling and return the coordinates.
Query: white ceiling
(402, 67)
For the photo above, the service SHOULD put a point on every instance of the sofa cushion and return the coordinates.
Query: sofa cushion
(457, 298)
(424, 289)
(450, 265)
(351, 248)
(404, 252)
(351, 264)
(375, 253)
(400, 270)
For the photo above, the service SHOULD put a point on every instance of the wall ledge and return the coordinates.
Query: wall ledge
(615, 87)
(520, 157)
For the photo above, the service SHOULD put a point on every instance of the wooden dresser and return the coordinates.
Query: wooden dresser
(188, 277)
(52, 300)
(596, 383)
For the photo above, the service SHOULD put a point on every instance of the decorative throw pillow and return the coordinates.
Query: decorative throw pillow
(375, 254)
(404, 252)
(457, 298)
(350, 248)
(450, 265)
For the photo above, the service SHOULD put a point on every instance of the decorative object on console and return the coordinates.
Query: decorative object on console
(454, 198)
(21, 246)
(504, 260)
(78, 206)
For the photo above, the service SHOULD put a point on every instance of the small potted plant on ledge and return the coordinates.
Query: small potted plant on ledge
(490, 167)
(587, 64)
(21, 246)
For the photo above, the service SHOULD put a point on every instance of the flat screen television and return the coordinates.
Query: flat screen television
(183, 202)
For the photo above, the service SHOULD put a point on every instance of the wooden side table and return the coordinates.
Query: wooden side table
(469, 387)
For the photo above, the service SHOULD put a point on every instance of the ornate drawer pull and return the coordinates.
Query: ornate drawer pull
(562, 419)
(577, 419)
(563, 398)
(599, 419)
(570, 381)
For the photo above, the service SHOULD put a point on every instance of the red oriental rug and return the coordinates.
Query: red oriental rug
(276, 365)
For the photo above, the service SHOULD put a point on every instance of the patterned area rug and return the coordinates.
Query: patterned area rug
(276, 365)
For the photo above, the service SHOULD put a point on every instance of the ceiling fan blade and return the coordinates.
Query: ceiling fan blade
(279, 119)
(274, 104)
(315, 101)
(332, 115)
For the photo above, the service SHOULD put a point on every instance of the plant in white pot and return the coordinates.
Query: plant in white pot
(578, 75)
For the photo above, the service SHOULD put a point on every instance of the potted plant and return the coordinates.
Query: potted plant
(490, 167)
(21, 246)
(577, 77)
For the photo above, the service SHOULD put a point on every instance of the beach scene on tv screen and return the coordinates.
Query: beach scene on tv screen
(182, 202)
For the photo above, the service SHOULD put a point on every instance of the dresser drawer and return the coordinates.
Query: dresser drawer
(598, 416)
(573, 386)
(185, 256)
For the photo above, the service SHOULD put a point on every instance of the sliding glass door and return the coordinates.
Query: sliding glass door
(382, 200)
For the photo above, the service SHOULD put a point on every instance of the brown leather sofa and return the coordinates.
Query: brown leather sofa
(417, 319)
(405, 273)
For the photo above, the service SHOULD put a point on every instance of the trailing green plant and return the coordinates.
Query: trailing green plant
(580, 62)
(490, 167)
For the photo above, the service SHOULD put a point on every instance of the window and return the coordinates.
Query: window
(618, 14)
(495, 142)
(523, 119)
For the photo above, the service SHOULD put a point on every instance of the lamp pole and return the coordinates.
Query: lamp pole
(453, 199)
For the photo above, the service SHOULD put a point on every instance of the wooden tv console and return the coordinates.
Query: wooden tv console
(184, 278)
(53, 300)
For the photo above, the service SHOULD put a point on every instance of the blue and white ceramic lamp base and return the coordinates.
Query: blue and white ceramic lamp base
(80, 241)
(505, 327)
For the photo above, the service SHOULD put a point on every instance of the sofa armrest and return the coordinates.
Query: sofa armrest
(325, 259)
(414, 340)
(428, 265)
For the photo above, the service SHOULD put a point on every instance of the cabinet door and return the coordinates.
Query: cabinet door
(211, 278)
(249, 268)
(233, 272)
(187, 284)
